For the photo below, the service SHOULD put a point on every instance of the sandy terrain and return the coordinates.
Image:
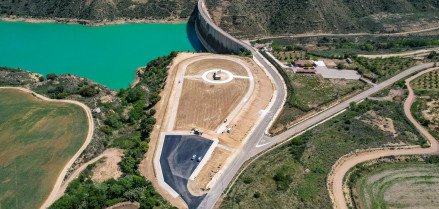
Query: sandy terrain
(342, 166)
(125, 205)
(206, 109)
(197, 68)
(110, 167)
(385, 124)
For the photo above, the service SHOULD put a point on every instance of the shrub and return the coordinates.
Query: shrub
(248, 180)
(88, 92)
(41, 79)
(340, 65)
(257, 195)
(50, 76)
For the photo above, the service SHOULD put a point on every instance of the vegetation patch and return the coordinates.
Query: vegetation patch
(37, 139)
(123, 119)
(294, 175)
(425, 108)
(380, 69)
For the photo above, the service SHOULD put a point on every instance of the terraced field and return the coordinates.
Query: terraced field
(429, 81)
(37, 139)
(400, 185)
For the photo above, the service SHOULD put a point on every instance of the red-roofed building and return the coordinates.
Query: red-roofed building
(306, 71)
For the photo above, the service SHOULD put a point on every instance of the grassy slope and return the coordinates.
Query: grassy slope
(417, 181)
(312, 91)
(261, 17)
(322, 146)
(36, 141)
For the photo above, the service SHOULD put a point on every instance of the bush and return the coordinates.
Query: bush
(248, 180)
(41, 79)
(134, 95)
(88, 92)
(340, 65)
(50, 76)
(257, 195)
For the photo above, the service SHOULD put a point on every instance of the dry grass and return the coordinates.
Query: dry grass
(205, 106)
(199, 67)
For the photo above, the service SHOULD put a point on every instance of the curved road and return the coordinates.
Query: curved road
(257, 141)
(338, 173)
(56, 188)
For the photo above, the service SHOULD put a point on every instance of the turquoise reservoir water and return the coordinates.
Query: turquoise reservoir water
(108, 55)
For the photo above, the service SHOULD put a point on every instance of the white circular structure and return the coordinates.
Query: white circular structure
(229, 76)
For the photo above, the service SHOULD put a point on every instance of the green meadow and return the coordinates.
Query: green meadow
(37, 139)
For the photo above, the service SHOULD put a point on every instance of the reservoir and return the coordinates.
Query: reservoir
(108, 55)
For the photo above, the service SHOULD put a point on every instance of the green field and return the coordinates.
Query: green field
(399, 185)
(37, 139)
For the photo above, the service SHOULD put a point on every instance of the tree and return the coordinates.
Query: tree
(41, 79)
(340, 65)
(248, 180)
(50, 76)
(88, 91)
(134, 95)
(257, 195)
(154, 98)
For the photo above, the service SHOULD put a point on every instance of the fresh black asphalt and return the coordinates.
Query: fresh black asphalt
(177, 165)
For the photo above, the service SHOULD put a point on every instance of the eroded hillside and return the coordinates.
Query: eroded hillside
(99, 9)
(256, 18)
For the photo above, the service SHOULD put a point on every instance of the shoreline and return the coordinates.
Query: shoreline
(92, 23)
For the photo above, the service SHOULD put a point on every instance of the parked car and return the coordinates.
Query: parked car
(199, 159)
(193, 157)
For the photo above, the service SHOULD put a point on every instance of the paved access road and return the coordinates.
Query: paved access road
(177, 165)
(249, 150)
(250, 147)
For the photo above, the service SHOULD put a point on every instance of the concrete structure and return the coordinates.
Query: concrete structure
(213, 38)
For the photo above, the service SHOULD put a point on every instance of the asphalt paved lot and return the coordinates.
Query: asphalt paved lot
(177, 165)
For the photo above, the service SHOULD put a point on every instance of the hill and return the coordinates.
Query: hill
(257, 18)
(99, 9)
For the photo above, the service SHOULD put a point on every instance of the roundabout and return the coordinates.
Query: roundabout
(225, 76)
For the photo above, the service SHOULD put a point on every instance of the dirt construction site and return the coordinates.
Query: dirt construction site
(219, 97)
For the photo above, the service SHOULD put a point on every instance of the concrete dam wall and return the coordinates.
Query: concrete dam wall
(213, 38)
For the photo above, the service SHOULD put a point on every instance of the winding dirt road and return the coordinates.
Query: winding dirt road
(342, 166)
(348, 34)
(56, 188)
